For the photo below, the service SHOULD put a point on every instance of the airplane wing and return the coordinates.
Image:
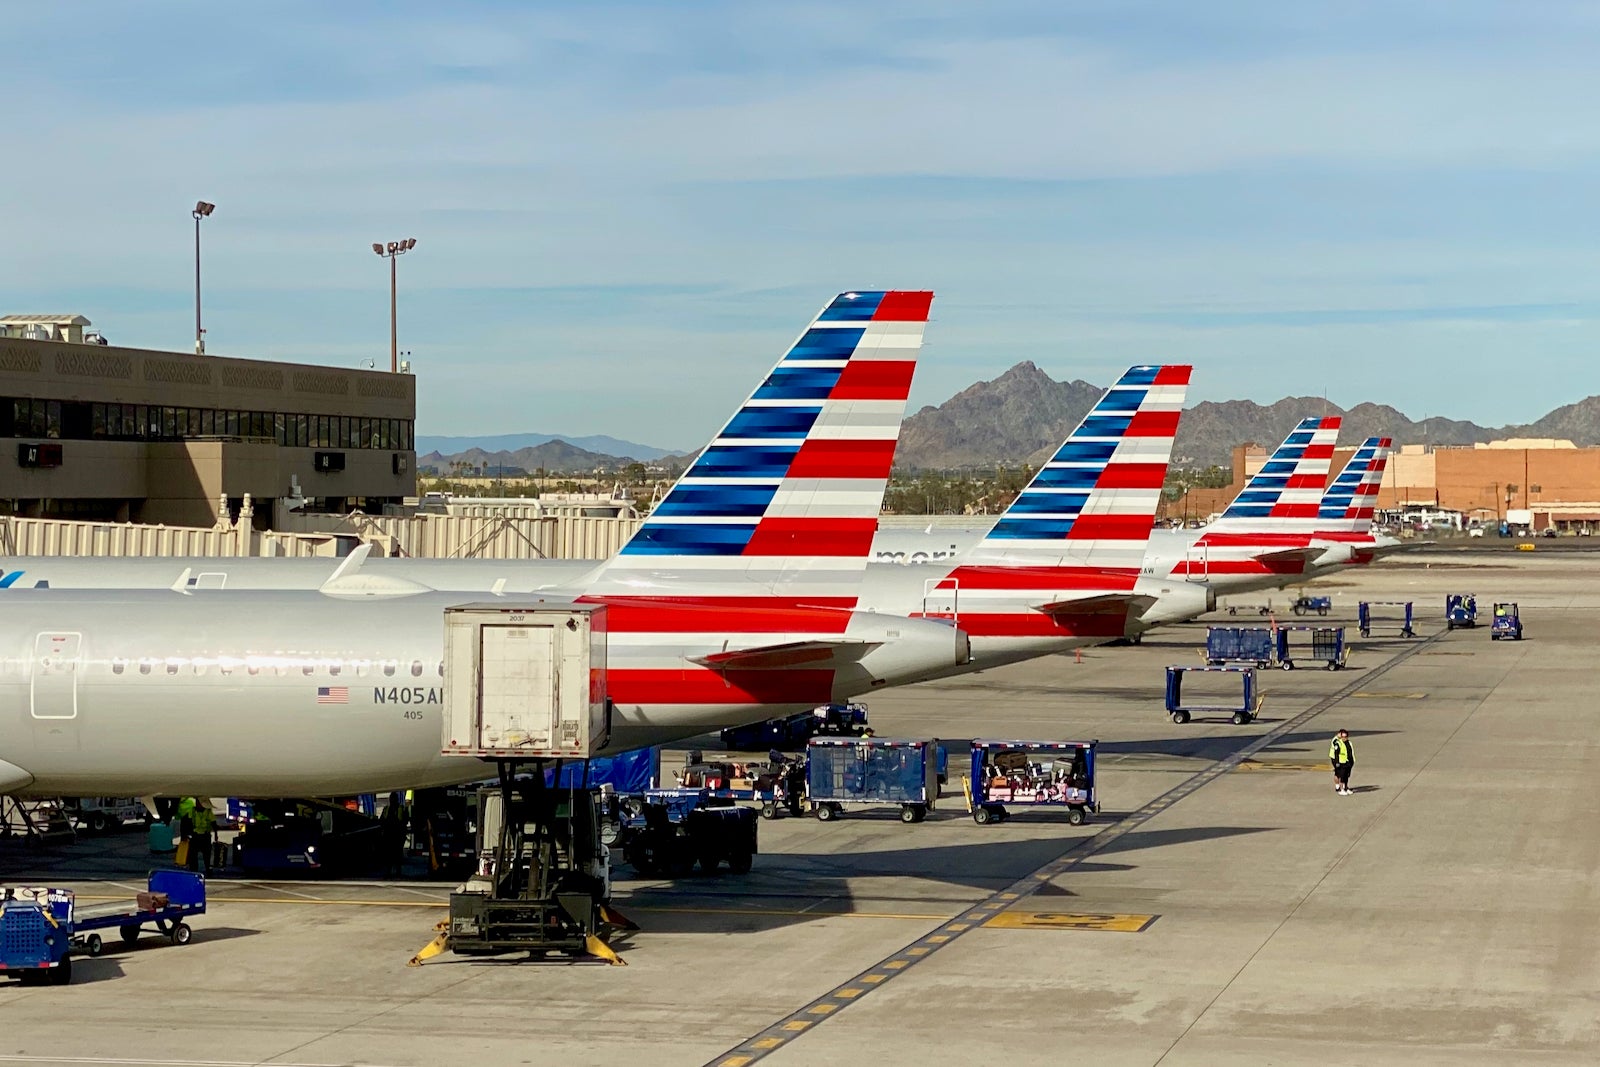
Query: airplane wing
(815, 653)
(1099, 604)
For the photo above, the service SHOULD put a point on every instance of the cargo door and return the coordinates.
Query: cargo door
(941, 598)
(1199, 563)
(54, 684)
(517, 686)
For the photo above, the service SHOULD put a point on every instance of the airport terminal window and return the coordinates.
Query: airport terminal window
(82, 420)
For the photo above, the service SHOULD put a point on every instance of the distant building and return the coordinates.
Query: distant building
(102, 432)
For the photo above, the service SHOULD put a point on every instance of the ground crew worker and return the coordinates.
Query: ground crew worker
(200, 840)
(1343, 758)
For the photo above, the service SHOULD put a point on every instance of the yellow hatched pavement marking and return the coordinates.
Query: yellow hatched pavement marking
(1067, 920)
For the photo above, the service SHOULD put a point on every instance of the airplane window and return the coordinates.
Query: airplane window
(334, 668)
(388, 668)
(441, 668)
(224, 668)
(416, 668)
(118, 665)
(253, 670)
(308, 669)
(172, 667)
(144, 666)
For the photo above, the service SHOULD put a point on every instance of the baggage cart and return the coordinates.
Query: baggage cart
(1241, 644)
(1242, 711)
(1366, 618)
(1327, 647)
(172, 898)
(872, 771)
(1057, 774)
(667, 831)
(36, 934)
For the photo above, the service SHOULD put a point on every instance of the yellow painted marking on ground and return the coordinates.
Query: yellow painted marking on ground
(958, 927)
(847, 994)
(663, 909)
(874, 978)
(735, 1061)
(1063, 920)
(796, 1025)
(895, 965)
(767, 1042)
(1387, 694)
(920, 950)
(1281, 765)
(938, 939)
(823, 1009)
(1008, 896)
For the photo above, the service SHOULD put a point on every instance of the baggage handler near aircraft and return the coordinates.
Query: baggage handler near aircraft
(736, 601)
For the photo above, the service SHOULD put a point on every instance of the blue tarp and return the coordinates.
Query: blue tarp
(626, 772)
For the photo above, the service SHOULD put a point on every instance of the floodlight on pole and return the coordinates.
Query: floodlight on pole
(201, 210)
(393, 251)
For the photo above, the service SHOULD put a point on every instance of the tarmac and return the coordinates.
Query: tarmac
(1227, 907)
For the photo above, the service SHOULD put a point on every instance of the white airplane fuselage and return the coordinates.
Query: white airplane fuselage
(142, 692)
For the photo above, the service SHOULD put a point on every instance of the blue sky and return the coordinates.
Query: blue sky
(624, 212)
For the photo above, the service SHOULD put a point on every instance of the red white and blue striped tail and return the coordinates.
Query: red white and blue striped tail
(1351, 500)
(1286, 494)
(783, 503)
(1094, 502)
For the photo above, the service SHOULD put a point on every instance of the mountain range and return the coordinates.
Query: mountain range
(1023, 415)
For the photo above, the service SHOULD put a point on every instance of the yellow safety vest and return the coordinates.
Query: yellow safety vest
(204, 820)
(1339, 752)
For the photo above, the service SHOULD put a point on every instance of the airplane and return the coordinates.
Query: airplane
(735, 601)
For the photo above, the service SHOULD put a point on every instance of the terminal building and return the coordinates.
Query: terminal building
(133, 435)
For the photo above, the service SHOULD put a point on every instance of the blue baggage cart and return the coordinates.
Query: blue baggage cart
(1327, 647)
(172, 898)
(872, 771)
(1241, 644)
(1057, 774)
(1365, 617)
(36, 934)
(1242, 711)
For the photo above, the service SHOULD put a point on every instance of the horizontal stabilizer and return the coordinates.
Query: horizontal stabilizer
(1099, 604)
(790, 654)
(1286, 555)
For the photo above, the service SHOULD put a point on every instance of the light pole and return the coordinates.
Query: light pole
(201, 210)
(393, 251)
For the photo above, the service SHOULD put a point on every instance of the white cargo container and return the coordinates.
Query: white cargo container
(524, 681)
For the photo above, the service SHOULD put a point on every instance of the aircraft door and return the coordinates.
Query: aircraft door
(54, 685)
(1198, 561)
(942, 597)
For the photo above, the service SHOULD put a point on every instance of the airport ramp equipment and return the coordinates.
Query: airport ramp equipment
(171, 898)
(1306, 605)
(1460, 611)
(1242, 710)
(36, 934)
(1041, 774)
(1507, 623)
(1256, 645)
(1327, 647)
(868, 771)
(1399, 612)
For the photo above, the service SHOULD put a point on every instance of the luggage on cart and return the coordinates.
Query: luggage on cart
(1008, 774)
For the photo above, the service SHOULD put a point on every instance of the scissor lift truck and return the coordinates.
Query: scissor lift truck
(1365, 618)
(524, 687)
(1242, 712)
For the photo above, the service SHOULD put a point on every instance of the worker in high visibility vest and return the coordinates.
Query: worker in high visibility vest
(205, 824)
(1343, 758)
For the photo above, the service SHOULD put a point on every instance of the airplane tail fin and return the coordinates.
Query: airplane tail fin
(1285, 495)
(1351, 499)
(1094, 502)
(784, 501)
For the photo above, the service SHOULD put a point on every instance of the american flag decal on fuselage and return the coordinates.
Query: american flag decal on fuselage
(333, 694)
